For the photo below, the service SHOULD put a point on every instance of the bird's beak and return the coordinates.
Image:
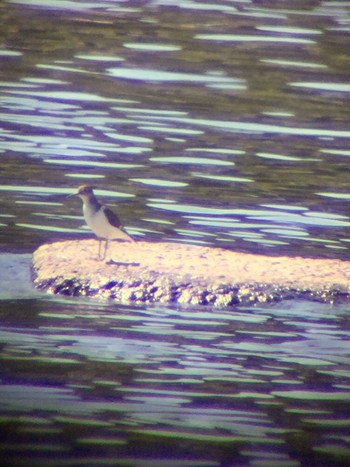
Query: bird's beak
(73, 194)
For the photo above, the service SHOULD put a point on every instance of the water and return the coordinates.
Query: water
(219, 124)
(179, 386)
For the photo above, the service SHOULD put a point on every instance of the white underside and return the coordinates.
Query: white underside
(99, 224)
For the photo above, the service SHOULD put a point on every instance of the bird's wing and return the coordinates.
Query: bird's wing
(115, 221)
(112, 218)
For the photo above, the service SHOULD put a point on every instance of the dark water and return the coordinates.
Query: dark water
(224, 124)
(165, 386)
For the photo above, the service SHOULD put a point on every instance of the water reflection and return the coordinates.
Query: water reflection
(221, 378)
(213, 125)
(290, 63)
(145, 75)
(253, 38)
(335, 87)
(152, 47)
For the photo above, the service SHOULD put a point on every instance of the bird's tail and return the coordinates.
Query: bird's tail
(128, 237)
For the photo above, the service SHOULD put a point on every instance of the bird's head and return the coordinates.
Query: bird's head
(84, 191)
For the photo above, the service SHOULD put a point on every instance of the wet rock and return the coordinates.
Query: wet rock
(185, 274)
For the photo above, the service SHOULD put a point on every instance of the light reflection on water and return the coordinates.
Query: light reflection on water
(217, 377)
(224, 125)
(253, 38)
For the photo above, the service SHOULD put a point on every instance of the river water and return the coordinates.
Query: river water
(223, 124)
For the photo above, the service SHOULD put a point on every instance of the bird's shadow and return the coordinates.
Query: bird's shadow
(122, 263)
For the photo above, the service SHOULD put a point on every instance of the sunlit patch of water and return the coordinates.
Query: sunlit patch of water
(253, 38)
(152, 47)
(86, 176)
(191, 160)
(335, 195)
(10, 53)
(289, 30)
(170, 130)
(282, 157)
(102, 58)
(258, 128)
(322, 86)
(146, 75)
(158, 182)
(291, 63)
(336, 152)
(94, 164)
(222, 178)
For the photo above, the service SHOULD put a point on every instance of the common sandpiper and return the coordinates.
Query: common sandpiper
(102, 221)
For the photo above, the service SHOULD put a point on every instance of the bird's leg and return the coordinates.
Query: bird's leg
(106, 248)
(99, 249)
(100, 256)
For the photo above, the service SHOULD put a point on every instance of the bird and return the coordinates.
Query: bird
(102, 221)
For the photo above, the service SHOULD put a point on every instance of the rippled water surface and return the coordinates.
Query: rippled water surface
(224, 124)
(159, 386)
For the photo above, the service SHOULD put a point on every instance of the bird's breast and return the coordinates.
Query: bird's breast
(96, 221)
(99, 224)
